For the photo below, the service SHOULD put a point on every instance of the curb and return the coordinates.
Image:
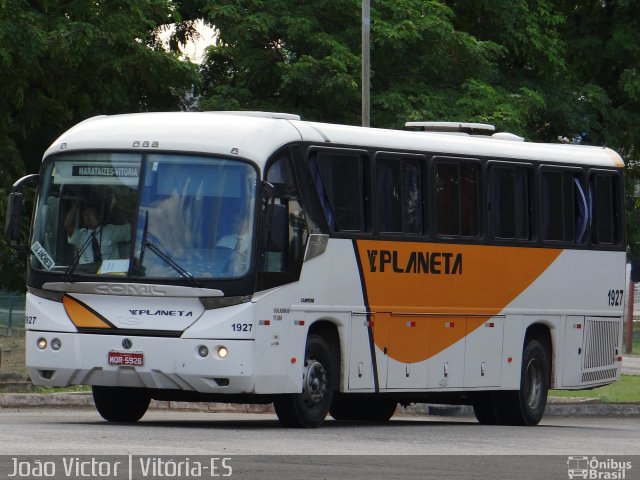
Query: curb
(579, 409)
(11, 332)
(85, 400)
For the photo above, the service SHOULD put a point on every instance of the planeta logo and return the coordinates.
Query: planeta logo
(162, 313)
(435, 263)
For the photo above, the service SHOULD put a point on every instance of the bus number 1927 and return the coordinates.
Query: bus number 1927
(241, 327)
(615, 297)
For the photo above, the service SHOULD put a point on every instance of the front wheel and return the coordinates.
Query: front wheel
(319, 381)
(120, 404)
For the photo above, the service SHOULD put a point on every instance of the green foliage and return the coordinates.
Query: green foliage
(61, 62)
(542, 69)
(539, 68)
(285, 56)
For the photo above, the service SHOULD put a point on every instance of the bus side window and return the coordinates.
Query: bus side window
(399, 195)
(457, 185)
(510, 202)
(605, 194)
(565, 211)
(340, 180)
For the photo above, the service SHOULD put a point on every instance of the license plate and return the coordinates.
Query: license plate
(134, 359)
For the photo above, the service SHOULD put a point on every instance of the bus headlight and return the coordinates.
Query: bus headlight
(203, 351)
(56, 344)
(42, 343)
(222, 352)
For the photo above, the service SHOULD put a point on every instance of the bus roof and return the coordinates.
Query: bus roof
(256, 135)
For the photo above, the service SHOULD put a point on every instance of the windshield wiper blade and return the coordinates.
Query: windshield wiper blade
(181, 271)
(159, 252)
(76, 260)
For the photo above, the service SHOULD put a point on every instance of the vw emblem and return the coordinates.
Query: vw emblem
(127, 344)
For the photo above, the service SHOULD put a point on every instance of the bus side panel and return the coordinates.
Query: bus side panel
(585, 288)
(329, 290)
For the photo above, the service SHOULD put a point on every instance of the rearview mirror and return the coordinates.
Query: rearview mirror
(15, 203)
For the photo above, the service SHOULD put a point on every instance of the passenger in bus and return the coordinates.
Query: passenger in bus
(105, 239)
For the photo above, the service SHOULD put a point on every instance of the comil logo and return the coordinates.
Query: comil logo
(597, 469)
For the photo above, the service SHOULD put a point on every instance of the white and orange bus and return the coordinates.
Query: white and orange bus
(257, 258)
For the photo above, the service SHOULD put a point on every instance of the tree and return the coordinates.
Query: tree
(61, 62)
(603, 40)
(430, 60)
(538, 68)
(542, 69)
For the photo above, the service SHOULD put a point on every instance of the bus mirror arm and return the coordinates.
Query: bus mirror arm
(269, 190)
(15, 206)
(26, 181)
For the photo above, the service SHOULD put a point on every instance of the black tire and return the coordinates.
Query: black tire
(345, 408)
(366, 409)
(378, 410)
(486, 408)
(120, 404)
(320, 380)
(527, 405)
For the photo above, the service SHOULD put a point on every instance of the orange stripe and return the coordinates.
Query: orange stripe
(450, 281)
(81, 315)
(617, 160)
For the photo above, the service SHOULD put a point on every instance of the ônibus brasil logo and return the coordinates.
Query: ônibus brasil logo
(596, 469)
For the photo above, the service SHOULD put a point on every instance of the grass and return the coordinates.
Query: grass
(626, 390)
(73, 389)
(12, 358)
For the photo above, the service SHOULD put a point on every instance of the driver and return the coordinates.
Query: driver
(104, 244)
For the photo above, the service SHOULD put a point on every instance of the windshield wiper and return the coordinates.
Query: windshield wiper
(159, 252)
(183, 273)
(76, 260)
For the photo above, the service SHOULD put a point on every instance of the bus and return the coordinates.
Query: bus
(335, 270)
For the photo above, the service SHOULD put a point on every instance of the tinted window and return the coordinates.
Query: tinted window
(399, 195)
(457, 198)
(339, 178)
(605, 190)
(287, 222)
(565, 212)
(510, 202)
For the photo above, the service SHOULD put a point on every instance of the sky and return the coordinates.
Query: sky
(194, 50)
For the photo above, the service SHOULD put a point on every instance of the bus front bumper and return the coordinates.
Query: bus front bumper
(132, 361)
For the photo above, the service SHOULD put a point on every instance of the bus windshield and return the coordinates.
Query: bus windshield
(160, 216)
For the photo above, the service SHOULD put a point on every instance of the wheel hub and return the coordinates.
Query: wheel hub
(314, 382)
(533, 384)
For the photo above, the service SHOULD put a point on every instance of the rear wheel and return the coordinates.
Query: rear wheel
(527, 405)
(486, 408)
(120, 404)
(368, 409)
(319, 382)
